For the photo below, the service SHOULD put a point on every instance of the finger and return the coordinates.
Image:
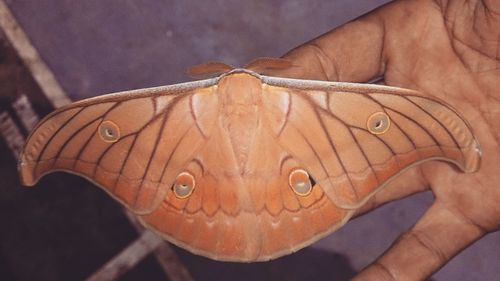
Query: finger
(439, 235)
(410, 182)
(352, 52)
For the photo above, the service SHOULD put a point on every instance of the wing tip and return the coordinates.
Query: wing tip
(473, 155)
(26, 176)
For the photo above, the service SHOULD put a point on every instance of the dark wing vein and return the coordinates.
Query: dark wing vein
(416, 123)
(440, 124)
(81, 129)
(80, 151)
(165, 114)
(115, 185)
(396, 124)
(57, 131)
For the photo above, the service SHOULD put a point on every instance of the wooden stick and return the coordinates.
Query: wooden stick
(148, 242)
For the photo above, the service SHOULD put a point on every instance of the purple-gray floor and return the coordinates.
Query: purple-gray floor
(97, 47)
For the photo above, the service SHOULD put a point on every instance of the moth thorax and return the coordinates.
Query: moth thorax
(240, 89)
(240, 95)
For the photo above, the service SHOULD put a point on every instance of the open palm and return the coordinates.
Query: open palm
(445, 49)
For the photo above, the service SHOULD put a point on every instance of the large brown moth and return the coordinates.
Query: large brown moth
(247, 167)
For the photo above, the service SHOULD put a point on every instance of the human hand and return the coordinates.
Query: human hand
(446, 49)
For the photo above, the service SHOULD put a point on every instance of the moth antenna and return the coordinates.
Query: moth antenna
(261, 65)
(209, 69)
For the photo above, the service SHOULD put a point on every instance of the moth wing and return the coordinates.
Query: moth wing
(332, 128)
(131, 144)
(255, 217)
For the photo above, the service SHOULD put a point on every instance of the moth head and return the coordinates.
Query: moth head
(301, 182)
(184, 185)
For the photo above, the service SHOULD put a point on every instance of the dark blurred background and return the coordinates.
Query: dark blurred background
(66, 228)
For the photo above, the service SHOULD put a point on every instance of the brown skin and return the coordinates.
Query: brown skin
(445, 49)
